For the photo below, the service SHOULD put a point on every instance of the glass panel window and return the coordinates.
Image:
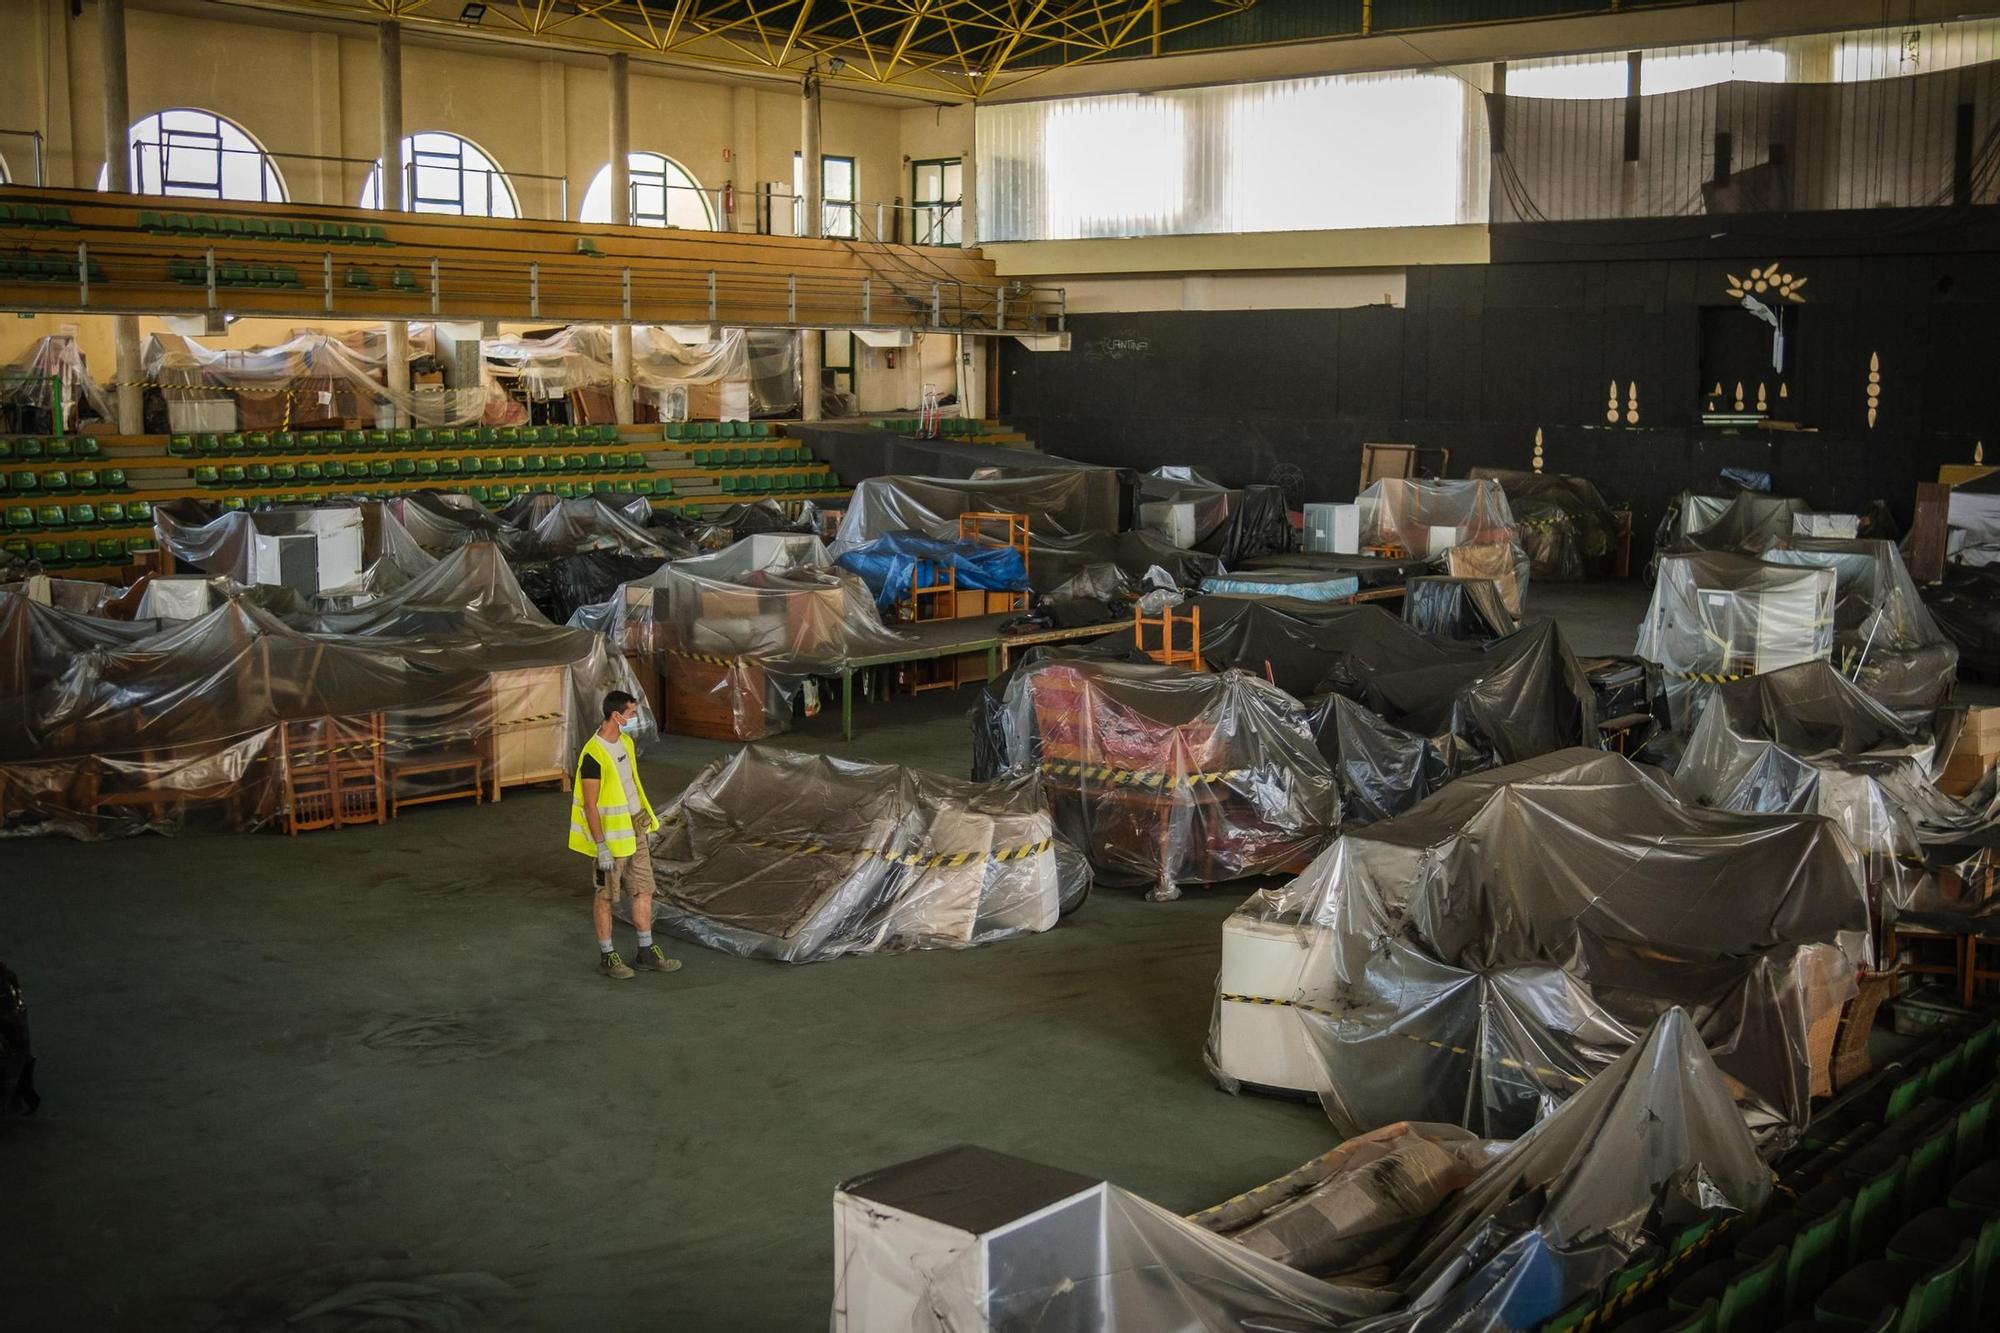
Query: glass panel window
(937, 202)
(837, 181)
(447, 174)
(198, 155)
(664, 194)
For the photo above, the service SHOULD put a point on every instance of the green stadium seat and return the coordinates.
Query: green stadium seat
(186, 272)
(257, 441)
(333, 470)
(21, 518)
(234, 443)
(31, 450)
(109, 548)
(376, 234)
(139, 511)
(404, 467)
(484, 435)
(309, 472)
(729, 485)
(281, 230)
(377, 439)
(81, 515)
(426, 467)
(574, 462)
(235, 504)
(593, 462)
(355, 439)
(111, 514)
(540, 488)
(78, 550)
(477, 492)
(534, 463)
(663, 485)
(206, 475)
(151, 222)
(642, 486)
(402, 439)
(603, 488)
(622, 488)
(134, 545)
(257, 474)
(513, 464)
(51, 516)
(230, 274)
(568, 434)
(494, 464)
(48, 553)
(447, 467)
(381, 470)
(358, 279)
(471, 465)
(84, 479)
(208, 442)
(87, 446)
(58, 450)
(505, 435)
(284, 441)
(55, 480)
(229, 227)
(6, 450)
(423, 437)
(283, 474)
(500, 494)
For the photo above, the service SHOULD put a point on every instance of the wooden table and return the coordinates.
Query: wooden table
(932, 639)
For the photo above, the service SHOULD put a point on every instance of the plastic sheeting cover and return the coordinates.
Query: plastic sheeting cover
(1058, 503)
(1469, 523)
(1806, 740)
(1479, 959)
(888, 563)
(1564, 521)
(797, 857)
(1717, 615)
(1457, 608)
(1167, 776)
(1883, 637)
(52, 374)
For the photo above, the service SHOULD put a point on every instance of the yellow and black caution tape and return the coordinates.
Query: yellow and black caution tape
(1544, 524)
(1712, 677)
(707, 657)
(1125, 777)
(533, 719)
(1504, 1062)
(355, 747)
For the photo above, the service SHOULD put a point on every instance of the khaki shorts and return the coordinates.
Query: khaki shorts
(629, 876)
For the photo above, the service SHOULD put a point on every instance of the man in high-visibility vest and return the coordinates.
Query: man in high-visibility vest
(609, 817)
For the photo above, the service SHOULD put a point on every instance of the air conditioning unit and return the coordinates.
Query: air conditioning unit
(1334, 528)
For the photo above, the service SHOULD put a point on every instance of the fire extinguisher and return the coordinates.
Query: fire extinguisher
(729, 198)
(891, 354)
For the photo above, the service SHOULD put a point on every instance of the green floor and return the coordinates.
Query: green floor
(273, 1068)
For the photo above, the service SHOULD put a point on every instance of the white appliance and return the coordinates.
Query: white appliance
(1171, 519)
(1747, 633)
(1442, 538)
(175, 597)
(290, 560)
(1264, 1044)
(1334, 528)
(341, 535)
(1826, 525)
(971, 1238)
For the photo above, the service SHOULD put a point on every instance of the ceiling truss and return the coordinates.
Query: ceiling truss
(941, 49)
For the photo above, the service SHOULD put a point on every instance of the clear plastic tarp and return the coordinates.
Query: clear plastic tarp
(1744, 521)
(266, 705)
(1565, 526)
(1191, 510)
(311, 381)
(1409, 1227)
(797, 857)
(1057, 503)
(1480, 959)
(1101, 558)
(1883, 637)
(1468, 524)
(579, 357)
(1717, 615)
(49, 385)
(1806, 740)
(1166, 776)
(1965, 606)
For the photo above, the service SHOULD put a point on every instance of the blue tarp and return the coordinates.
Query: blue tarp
(887, 562)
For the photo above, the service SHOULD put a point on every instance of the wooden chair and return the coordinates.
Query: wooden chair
(359, 783)
(1012, 531)
(305, 759)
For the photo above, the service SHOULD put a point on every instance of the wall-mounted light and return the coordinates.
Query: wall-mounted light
(837, 64)
(472, 13)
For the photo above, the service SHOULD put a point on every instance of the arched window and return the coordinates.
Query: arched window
(199, 155)
(663, 195)
(443, 173)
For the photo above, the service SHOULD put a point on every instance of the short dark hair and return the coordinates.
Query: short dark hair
(614, 703)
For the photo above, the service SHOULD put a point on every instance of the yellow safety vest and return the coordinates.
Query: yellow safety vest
(614, 808)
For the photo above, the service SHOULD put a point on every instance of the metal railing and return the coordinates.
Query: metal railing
(18, 147)
(120, 276)
(180, 169)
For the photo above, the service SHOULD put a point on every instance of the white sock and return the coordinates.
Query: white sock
(645, 939)
(604, 946)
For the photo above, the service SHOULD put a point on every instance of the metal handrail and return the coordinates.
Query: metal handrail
(35, 141)
(356, 177)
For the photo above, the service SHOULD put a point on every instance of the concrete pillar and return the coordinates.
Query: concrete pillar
(621, 215)
(118, 178)
(812, 348)
(809, 156)
(743, 178)
(972, 354)
(391, 198)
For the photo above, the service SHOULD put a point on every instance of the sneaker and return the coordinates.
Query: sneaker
(611, 965)
(653, 959)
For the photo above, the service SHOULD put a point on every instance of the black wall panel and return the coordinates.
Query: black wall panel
(1480, 356)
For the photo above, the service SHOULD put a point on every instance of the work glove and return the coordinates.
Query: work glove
(604, 856)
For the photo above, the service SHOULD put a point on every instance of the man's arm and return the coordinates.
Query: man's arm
(590, 815)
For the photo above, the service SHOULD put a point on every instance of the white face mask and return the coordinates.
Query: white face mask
(631, 726)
